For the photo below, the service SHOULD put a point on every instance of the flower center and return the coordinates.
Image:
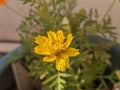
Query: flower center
(56, 47)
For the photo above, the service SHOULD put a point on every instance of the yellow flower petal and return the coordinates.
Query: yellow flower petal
(71, 52)
(41, 50)
(49, 58)
(67, 63)
(40, 39)
(68, 41)
(55, 48)
(60, 36)
(52, 35)
(62, 63)
(66, 58)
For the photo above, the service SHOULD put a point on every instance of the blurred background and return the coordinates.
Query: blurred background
(9, 21)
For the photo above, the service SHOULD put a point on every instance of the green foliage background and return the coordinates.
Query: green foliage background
(91, 69)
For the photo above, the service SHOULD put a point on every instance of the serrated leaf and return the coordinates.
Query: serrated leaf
(79, 71)
(53, 84)
(59, 87)
(62, 81)
(43, 74)
(117, 72)
(65, 25)
(49, 79)
(64, 75)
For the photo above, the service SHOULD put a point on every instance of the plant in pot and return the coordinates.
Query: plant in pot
(67, 50)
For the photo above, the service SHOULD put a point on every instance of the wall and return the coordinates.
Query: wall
(10, 21)
(102, 6)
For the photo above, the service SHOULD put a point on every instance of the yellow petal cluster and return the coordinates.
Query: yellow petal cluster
(55, 47)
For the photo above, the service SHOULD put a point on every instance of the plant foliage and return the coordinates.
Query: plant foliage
(93, 37)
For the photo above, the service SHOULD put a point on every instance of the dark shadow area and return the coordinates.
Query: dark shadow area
(7, 81)
(115, 56)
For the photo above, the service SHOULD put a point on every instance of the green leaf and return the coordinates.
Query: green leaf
(43, 75)
(53, 83)
(49, 79)
(117, 72)
(60, 87)
(62, 81)
(64, 75)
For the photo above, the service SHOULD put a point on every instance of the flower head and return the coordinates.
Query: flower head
(2, 2)
(56, 48)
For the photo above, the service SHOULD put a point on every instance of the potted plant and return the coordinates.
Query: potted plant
(62, 49)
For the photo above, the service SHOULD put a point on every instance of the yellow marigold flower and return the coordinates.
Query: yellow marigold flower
(56, 48)
(2, 2)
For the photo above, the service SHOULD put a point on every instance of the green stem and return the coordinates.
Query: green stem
(58, 80)
(78, 88)
(109, 9)
(14, 11)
